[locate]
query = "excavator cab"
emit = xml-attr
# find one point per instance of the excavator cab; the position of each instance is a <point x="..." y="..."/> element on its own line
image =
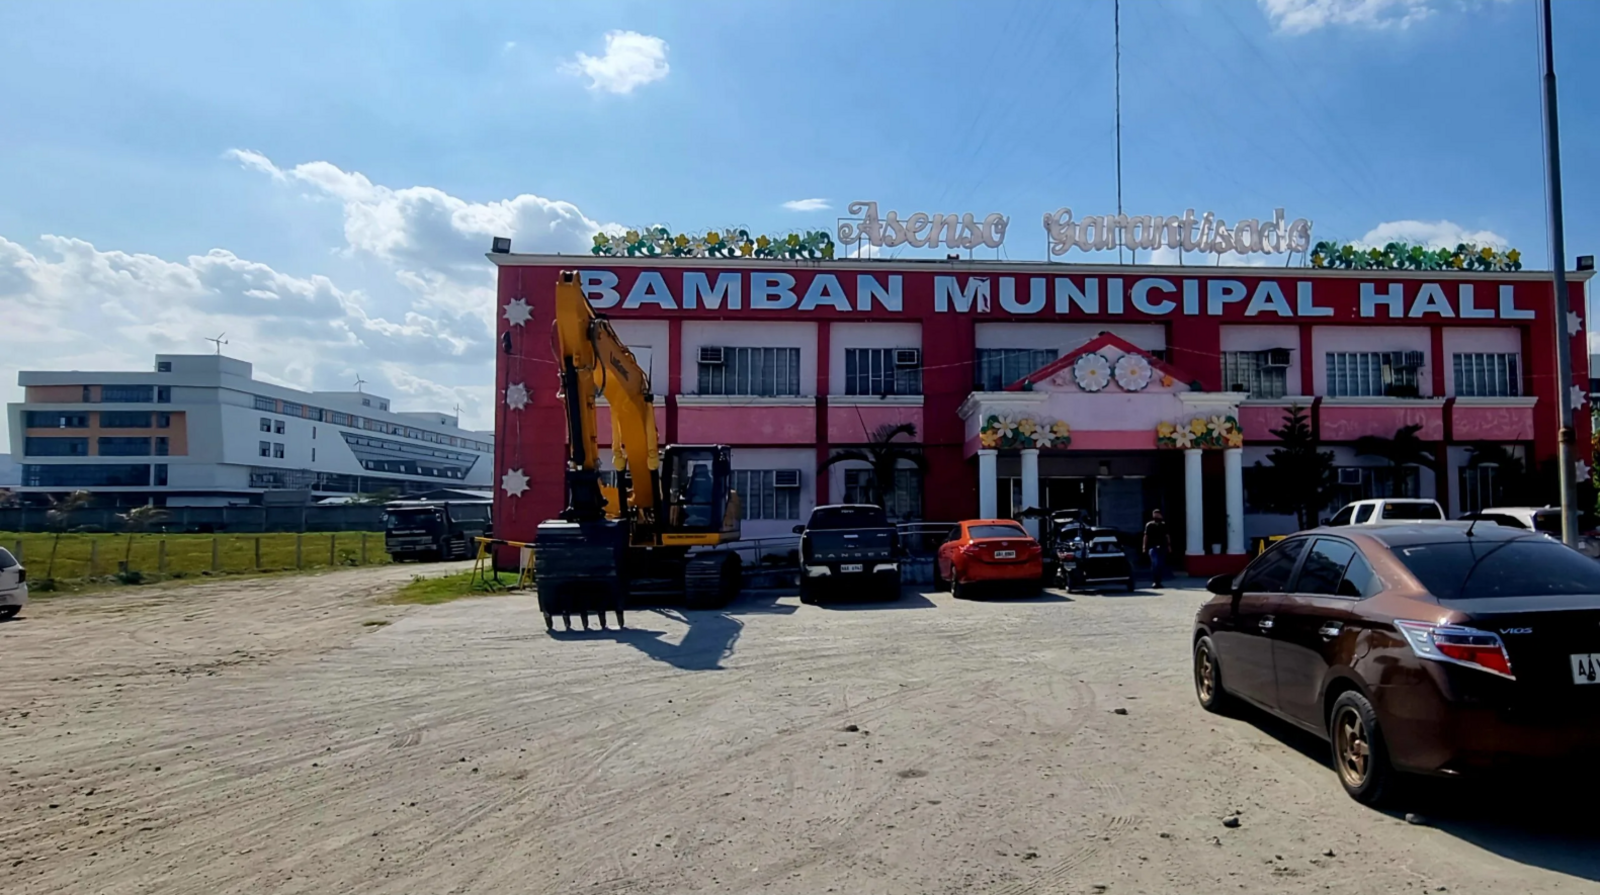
<point x="697" y="483"/>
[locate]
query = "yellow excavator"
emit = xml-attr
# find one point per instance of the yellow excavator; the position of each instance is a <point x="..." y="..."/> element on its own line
<point x="655" y="530"/>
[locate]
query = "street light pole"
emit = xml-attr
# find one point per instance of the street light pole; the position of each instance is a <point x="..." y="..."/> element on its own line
<point x="1558" y="264"/>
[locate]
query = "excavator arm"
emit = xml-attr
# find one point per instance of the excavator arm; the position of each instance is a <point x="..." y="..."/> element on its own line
<point x="594" y="362"/>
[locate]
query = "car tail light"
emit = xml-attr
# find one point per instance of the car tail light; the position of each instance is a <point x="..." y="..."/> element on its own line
<point x="22" y="575"/>
<point x="1458" y="645"/>
<point x="971" y="549"/>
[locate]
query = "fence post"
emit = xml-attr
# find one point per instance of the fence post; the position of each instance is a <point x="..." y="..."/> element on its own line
<point x="94" y="555"/>
<point x="18" y="551"/>
<point x="215" y="552"/>
<point x="299" y="541"/>
<point x="333" y="541"/>
<point x="161" y="557"/>
<point x="363" y="548"/>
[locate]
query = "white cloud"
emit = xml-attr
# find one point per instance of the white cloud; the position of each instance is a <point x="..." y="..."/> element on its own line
<point x="807" y="205"/>
<point x="508" y="46"/>
<point x="1302" y="16"/>
<point x="1432" y="234"/>
<point x="631" y="60"/>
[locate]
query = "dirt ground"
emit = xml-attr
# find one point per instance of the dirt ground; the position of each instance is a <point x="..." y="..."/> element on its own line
<point x="262" y="736"/>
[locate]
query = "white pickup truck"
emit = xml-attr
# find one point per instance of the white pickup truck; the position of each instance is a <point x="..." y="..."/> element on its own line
<point x="1388" y="509"/>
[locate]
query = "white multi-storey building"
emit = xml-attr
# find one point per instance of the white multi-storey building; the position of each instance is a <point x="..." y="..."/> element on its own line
<point x="200" y="430"/>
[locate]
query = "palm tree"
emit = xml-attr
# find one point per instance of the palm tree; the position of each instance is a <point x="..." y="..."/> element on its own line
<point x="883" y="454"/>
<point x="139" y="519"/>
<point x="58" y="517"/>
<point x="1404" y="449"/>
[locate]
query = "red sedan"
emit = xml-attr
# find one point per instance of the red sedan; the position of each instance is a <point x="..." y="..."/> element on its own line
<point x="989" y="551"/>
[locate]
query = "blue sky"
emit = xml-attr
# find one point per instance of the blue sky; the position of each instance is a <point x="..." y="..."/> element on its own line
<point x="320" y="179"/>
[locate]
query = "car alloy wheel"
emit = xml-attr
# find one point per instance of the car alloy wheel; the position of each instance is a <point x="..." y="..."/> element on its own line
<point x="1208" y="677"/>
<point x="1352" y="747"/>
<point x="1359" y="755"/>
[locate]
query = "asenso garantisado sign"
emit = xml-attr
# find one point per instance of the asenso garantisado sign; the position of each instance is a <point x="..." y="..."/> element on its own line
<point x="916" y="294"/>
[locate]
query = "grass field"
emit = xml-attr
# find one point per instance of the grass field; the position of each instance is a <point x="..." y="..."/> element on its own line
<point x="430" y="591"/>
<point x="156" y="556"/>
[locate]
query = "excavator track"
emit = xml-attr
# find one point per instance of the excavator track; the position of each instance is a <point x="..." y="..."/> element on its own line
<point x="712" y="579"/>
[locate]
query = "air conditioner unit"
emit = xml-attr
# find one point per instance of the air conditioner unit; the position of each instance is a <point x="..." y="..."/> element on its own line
<point x="711" y="354"/>
<point x="908" y="357"/>
<point x="786" y="478"/>
<point x="1275" y="358"/>
<point x="1349" y="475"/>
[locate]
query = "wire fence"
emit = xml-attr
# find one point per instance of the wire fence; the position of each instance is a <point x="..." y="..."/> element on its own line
<point x="141" y="557"/>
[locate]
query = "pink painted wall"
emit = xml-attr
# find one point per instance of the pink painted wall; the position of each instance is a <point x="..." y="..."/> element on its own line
<point x="1347" y="423"/>
<point x="854" y="423"/>
<point x="1475" y="422"/>
<point x="603" y="420"/>
<point x="1258" y="420"/>
<point x="782" y="424"/>
<point x="1113" y="440"/>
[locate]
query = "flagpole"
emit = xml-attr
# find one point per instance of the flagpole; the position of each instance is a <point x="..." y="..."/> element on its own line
<point x="1558" y="264"/>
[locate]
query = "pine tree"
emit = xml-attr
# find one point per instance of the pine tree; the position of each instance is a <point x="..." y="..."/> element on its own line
<point x="1300" y="481"/>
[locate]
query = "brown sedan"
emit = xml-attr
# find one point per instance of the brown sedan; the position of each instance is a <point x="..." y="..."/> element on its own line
<point x="1437" y="648"/>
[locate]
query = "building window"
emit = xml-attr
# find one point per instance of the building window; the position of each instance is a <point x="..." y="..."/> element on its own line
<point x="277" y="451"/>
<point x="997" y="368"/>
<point x="760" y="496"/>
<point x="882" y="371"/>
<point x="161" y="447"/>
<point x="1371" y="374"/>
<point x="161" y="475"/>
<point x="266" y="404"/>
<point x="383" y="405"/>
<point x="313" y="433"/>
<point x="1264" y="374"/>
<point x="754" y="372"/>
<point x="124" y="447"/>
<point x="163" y="366"/>
<point x="905" y="502"/>
<point x="87" y="395"/>
<point x="265" y="448"/>
<point x="55" y="419"/>
<point x="163" y="394"/>
<point x="277" y="427"/>
<point x="86" y="475"/>
<point x="366" y="402"/>
<point x="341" y="419"/>
<point x="55" y="447"/>
<point x="124" y="419"/>
<point x="163" y="421"/>
<point x="313" y="455"/>
<point x="126" y="394"/>
<point x="1487" y="376"/>
<point x="293" y="409"/>
<point x="1367" y="482"/>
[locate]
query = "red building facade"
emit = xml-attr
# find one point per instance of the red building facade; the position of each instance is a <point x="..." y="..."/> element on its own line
<point x="1047" y="384"/>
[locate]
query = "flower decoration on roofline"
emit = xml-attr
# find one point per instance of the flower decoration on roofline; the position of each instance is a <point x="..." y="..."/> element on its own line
<point x="660" y="242"/>
<point x="1092" y="372"/>
<point x="1001" y="431"/>
<point x="1404" y="256"/>
<point x="1133" y="372"/>
<point x="1214" y="433"/>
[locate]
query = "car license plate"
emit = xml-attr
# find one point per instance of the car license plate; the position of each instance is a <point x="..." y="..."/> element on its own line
<point x="1586" y="668"/>
<point x="850" y="567"/>
<point x="1005" y="554"/>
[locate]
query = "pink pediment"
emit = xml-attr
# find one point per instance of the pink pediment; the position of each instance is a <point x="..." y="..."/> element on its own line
<point x="1057" y="375"/>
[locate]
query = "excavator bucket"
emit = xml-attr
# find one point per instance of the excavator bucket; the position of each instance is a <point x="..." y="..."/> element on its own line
<point x="578" y="568"/>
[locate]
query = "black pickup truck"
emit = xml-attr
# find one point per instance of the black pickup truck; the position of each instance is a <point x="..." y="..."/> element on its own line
<point x="847" y="547"/>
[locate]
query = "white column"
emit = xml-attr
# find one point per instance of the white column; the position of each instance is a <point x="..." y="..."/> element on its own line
<point x="1233" y="488"/>
<point x="988" y="484"/>
<point x="1194" y="518"/>
<point x="1030" y="486"/>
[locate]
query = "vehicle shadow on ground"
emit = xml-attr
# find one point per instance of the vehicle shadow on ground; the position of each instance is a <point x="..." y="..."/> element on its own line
<point x="852" y="603"/>
<point x="710" y="639"/>
<point x="1000" y="596"/>
<point x="1518" y="819"/>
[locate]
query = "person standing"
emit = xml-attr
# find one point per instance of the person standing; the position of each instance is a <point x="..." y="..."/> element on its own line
<point x="1157" y="544"/>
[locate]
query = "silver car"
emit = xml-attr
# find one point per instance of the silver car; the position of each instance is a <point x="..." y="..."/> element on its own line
<point x="13" y="585"/>
<point x="1542" y="519"/>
